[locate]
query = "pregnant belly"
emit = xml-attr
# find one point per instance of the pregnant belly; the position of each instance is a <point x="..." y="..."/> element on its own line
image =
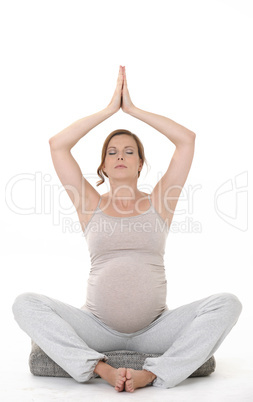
<point x="127" y="299"/>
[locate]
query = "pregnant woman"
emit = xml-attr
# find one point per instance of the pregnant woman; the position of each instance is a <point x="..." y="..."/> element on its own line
<point x="126" y="231"/>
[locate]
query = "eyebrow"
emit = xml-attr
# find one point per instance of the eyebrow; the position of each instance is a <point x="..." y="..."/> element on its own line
<point x="128" y="146"/>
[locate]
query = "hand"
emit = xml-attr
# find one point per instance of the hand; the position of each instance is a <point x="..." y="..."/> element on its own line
<point x="126" y="104"/>
<point x="115" y="103"/>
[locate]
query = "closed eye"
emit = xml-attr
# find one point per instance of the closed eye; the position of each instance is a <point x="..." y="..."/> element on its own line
<point x="113" y="153"/>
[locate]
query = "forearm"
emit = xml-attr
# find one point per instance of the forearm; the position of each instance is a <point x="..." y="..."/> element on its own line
<point x="68" y="137"/>
<point x="173" y="131"/>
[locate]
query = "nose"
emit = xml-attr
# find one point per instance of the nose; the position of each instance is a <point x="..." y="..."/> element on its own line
<point x="120" y="157"/>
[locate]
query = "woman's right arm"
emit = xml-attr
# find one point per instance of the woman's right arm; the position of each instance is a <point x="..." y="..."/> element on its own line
<point x="81" y="192"/>
<point x="67" y="138"/>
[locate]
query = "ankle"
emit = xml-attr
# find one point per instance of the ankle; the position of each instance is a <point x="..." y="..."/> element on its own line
<point x="101" y="367"/>
<point x="151" y="376"/>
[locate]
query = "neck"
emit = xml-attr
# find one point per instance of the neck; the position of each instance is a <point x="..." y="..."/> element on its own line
<point x="124" y="192"/>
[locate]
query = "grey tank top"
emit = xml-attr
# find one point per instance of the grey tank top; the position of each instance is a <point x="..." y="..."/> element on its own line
<point x="127" y="285"/>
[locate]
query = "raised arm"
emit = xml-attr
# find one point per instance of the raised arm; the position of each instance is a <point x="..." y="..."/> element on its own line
<point x="80" y="191"/>
<point x="166" y="193"/>
<point x="67" y="138"/>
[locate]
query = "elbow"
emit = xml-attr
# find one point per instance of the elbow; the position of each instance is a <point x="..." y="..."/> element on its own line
<point x="190" y="137"/>
<point x="193" y="135"/>
<point x="56" y="146"/>
<point x="52" y="143"/>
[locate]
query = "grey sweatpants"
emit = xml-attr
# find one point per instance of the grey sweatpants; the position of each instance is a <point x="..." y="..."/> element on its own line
<point x="76" y="339"/>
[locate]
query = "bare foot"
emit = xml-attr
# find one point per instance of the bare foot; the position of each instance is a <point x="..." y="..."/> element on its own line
<point x="120" y="379"/>
<point x="115" y="377"/>
<point x="137" y="379"/>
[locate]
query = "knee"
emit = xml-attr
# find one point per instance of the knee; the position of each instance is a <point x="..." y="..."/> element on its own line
<point x="22" y="304"/>
<point x="231" y="304"/>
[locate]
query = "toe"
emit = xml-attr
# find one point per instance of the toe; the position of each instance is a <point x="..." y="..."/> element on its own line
<point x="119" y="387"/>
<point x="122" y="372"/>
<point x="128" y="386"/>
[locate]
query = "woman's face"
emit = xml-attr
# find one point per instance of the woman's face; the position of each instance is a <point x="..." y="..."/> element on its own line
<point x="122" y="150"/>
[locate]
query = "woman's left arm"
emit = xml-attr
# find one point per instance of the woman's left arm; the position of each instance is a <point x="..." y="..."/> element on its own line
<point x="166" y="193"/>
<point x="176" y="133"/>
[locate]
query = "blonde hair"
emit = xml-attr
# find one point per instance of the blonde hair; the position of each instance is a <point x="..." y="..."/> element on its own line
<point x="139" y="144"/>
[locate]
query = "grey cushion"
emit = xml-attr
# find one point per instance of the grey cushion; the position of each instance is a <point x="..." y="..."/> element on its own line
<point x="40" y="364"/>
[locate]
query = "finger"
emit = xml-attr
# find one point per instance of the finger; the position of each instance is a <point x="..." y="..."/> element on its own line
<point x="120" y="76"/>
<point x="120" y="85"/>
<point x="125" y="84"/>
<point x="124" y="75"/>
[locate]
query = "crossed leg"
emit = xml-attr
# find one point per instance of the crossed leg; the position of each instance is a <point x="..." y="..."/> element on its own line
<point x="186" y="337"/>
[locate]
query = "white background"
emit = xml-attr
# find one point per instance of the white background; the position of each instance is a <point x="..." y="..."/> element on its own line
<point x="188" y="60"/>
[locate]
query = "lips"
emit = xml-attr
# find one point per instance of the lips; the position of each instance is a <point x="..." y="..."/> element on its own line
<point x="120" y="166"/>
